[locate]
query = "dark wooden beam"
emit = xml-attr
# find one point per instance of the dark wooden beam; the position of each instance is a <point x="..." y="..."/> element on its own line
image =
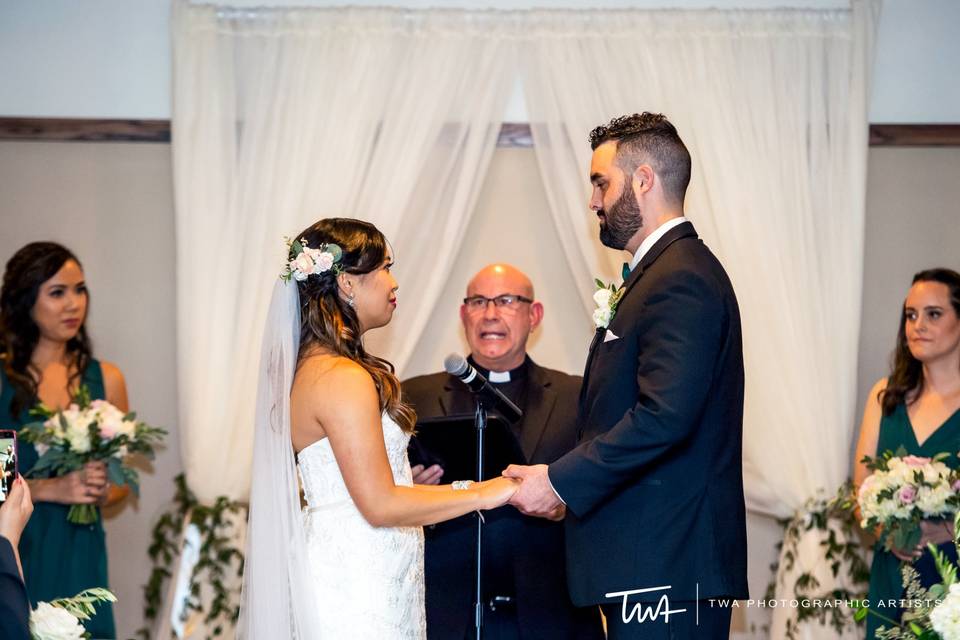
<point x="512" y="134"/>
<point x="84" y="130"/>
<point x="915" y="135"/>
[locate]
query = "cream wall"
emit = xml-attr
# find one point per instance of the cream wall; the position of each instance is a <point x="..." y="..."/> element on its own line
<point x="112" y="204"/>
<point x="913" y="223"/>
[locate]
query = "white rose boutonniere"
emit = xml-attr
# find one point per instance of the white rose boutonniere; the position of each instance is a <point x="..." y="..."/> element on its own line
<point x="607" y="296"/>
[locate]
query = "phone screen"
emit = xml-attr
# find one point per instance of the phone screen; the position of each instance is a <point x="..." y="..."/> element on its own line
<point x="8" y="462"/>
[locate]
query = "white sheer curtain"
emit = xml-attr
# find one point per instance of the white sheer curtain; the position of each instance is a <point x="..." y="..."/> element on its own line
<point x="282" y="117"/>
<point x="285" y="116"/>
<point x="772" y="105"/>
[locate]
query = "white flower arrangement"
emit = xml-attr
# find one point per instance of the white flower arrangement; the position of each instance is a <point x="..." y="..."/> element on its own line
<point x="607" y="296"/>
<point x="61" y="619"/>
<point x="88" y="431"/>
<point x="305" y="261"/>
<point x="945" y="617"/>
<point x="902" y="491"/>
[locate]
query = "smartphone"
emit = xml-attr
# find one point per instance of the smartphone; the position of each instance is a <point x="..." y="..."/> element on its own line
<point x="8" y="461"/>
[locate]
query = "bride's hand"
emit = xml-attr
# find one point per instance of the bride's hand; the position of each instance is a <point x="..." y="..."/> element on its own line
<point x="496" y="492"/>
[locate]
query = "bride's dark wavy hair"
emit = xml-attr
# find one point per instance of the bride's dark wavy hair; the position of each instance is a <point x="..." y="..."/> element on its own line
<point x="29" y="268"/>
<point x="906" y="379"/>
<point x="328" y="321"/>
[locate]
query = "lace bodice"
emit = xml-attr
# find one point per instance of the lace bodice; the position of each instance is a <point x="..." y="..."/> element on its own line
<point x="368" y="580"/>
<point x="320" y="475"/>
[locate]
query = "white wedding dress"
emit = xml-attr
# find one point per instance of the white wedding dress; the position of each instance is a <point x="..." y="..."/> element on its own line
<point x="367" y="581"/>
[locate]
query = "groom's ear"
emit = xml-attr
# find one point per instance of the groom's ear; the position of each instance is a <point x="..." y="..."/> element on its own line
<point x="642" y="180"/>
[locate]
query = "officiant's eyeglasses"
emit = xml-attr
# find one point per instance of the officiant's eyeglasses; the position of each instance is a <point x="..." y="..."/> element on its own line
<point x="506" y="302"/>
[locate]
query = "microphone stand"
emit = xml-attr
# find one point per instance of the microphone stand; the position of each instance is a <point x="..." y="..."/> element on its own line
<point x="480" y="420"/>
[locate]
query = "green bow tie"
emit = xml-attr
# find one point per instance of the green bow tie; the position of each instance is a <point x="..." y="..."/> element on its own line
<point x="626" y="271"/>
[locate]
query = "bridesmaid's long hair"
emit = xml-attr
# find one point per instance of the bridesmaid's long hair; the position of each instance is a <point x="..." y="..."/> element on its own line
<point x="327" y="321"/>
<point x="907" y="376"/>
<point x="29" y="268"/>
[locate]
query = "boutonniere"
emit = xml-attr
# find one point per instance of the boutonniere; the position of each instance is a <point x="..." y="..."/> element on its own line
<point x="607" y="296"/>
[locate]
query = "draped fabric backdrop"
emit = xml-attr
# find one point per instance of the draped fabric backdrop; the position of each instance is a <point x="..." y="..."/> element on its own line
<point x="284" y="116"/>
<point x="773" y="107"/>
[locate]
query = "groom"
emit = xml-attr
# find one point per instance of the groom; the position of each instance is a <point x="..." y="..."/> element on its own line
<point x="653" y="494"/>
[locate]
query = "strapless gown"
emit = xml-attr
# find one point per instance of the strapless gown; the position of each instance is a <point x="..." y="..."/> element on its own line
<point x="368" y="580"/>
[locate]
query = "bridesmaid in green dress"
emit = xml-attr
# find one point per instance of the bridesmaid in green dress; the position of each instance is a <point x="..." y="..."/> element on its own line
<point x="918" y="408"/>
<point x="45" y="357"/>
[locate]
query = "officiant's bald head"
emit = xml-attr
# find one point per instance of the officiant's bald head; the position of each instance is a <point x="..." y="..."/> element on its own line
<point x="498" y="314"/>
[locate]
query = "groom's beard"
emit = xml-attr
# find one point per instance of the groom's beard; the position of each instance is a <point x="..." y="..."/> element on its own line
<point x="621" y="221"/>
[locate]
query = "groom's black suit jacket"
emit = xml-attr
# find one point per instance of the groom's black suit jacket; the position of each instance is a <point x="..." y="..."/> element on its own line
<point x="654" y="491"/>
<point x="544" y="610"/>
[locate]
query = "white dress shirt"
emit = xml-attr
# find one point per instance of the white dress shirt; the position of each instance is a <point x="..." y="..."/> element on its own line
<point x="651" y="239"/>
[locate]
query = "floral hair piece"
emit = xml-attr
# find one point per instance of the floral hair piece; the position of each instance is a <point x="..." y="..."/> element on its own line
<point x="306" y="261"/>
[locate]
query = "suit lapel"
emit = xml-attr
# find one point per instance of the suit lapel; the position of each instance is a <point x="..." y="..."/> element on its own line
<point x="597" y="339"/>
<point x="683" y="230"/>
<point x="540" y="400"/>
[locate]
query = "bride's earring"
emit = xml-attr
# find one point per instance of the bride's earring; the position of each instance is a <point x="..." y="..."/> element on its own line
<point x="350" y="300"/>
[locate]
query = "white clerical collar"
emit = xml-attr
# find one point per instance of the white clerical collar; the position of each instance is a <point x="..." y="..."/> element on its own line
<point x="651" y="239"/>
<point x="499" y="376"/>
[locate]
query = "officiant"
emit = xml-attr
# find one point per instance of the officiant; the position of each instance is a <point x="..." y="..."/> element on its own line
<point x="524" y="578"/>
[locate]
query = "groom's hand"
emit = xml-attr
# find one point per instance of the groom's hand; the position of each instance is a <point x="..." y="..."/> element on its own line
<point x="536" y="496"/>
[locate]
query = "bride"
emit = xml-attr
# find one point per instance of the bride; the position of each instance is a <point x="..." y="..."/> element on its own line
<point x="350" y="563"/>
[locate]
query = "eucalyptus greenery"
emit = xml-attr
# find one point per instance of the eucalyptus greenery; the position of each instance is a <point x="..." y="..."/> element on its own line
<point x="81" y="606"/>
<point x="217" y="559"/>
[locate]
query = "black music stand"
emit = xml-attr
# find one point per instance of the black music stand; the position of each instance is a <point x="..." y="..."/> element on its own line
<point x="468" y="447"/>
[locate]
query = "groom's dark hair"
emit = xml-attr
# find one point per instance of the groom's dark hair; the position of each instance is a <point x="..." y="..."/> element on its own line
<point x="649" y="138"/>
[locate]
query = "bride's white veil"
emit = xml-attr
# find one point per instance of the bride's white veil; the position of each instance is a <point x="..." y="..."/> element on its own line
<point x="277" y="599"/>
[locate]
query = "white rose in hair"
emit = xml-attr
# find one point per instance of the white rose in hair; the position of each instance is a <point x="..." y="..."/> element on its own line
<point x="48" y="622"/>
<point x="304" y="263"/>
<point x="324" y="262"/>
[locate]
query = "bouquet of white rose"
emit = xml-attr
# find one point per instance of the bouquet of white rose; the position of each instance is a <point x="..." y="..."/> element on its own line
<point x="902" y="491"/>
<point x="60" y="619"/>
<point x="88" y="431"/>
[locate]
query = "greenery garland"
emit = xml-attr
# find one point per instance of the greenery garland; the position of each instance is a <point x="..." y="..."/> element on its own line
<point x="849" y="558"/>
<point x="217" y="558"/>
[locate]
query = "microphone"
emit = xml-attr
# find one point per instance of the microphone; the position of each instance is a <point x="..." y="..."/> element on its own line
<point x="456" y="365"/>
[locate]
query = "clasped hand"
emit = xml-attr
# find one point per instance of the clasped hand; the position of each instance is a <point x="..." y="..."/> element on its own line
<point x="535" y="496"/>
<point x="86" y="486"/>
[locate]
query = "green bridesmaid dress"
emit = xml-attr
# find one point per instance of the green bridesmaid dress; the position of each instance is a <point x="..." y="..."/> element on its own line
<point x="60" y="559"/>
<point x="886" y="583"/>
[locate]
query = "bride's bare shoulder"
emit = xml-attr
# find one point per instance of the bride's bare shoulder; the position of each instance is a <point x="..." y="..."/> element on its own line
<point x="333" y="371"/>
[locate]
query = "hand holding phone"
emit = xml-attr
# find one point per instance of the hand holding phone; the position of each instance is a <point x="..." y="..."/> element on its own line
<point x="15" y="511"/>
<point x="8" y="462"/>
